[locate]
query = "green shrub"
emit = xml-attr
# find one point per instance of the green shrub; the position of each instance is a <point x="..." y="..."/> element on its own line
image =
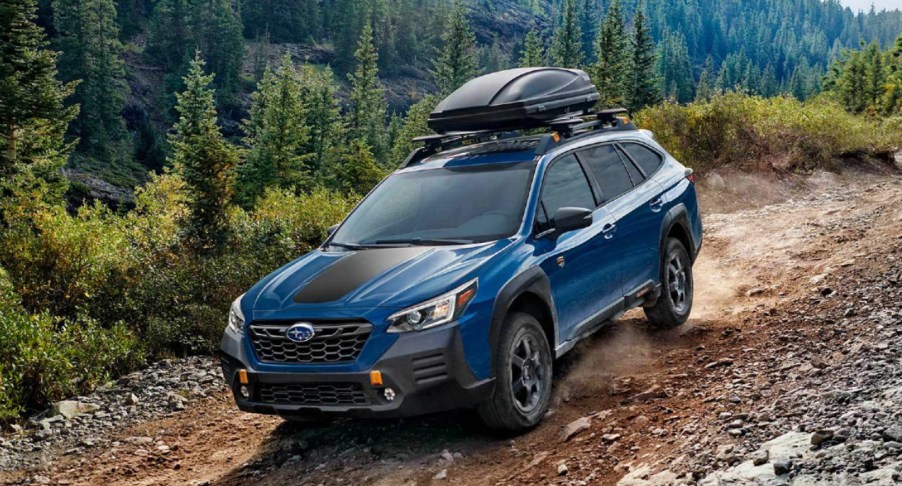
<point x="779" y="133"/>
<point x="60" y="262"/>
<point x="43" y="359"/>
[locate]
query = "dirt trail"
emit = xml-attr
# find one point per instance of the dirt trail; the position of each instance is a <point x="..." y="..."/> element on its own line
<point x="756" y="260"/>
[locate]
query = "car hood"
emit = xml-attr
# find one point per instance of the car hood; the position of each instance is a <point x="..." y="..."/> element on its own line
<point x="364" y="279"/>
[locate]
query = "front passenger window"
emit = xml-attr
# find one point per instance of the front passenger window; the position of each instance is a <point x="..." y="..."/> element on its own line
<point x="565" y="186"/>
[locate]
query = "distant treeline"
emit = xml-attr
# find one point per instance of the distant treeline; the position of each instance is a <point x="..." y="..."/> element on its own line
<point x="690" y="49"/>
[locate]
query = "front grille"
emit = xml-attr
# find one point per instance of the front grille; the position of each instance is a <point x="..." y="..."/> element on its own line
<point x="332" y="342"/>
<point x="318" y="394"/>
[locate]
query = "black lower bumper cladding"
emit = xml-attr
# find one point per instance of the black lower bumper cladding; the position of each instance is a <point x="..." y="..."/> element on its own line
<point x="426" y="372"/>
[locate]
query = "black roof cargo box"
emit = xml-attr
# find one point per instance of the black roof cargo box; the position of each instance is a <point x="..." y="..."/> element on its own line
<point x="514" y="99"/>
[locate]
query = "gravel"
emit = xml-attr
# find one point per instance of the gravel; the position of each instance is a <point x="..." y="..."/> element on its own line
<point x="77" y="425"/>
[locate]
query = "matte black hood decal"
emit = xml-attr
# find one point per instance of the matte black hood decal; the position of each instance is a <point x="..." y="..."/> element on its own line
<point x="353" y="271"/>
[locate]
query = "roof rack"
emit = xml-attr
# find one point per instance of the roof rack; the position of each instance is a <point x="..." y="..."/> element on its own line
<point x="568" y="129"/>
<point x="563" y="129"/>
<point x="433" y="144"/>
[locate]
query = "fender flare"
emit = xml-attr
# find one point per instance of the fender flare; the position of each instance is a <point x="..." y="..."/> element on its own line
<point x="533" y="280"/>
<point x="677" y="216"/>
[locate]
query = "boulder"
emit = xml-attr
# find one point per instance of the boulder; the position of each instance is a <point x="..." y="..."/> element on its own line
<point x="70" y="408"/>
<point x="575" y="427"/>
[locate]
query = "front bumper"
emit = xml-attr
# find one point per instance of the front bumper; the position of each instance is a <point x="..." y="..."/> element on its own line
<point x="426" y="371"/>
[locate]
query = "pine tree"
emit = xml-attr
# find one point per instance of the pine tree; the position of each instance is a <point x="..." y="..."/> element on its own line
<point x="169" y="34"/>
<point x="367" y="107"/>
<point x="355" y="171"/>
<point x="566" y="46"/>
<point x="395" y="124"/>
<point x="213" y="26"/>
<point x="205" y="160"/>
<point x="642" y="87"/>
<point x="674" y="68"/>
<point x="457" y="62"/>
<point x="216" y="31"/>
<point x="277" y="135"/>
<point x="33" y="121"/>
<point x="851" y="83"/>
<point x="769" y="85"/>
<point x="706" y="89"/>
<point x="611" y="71"/>
<point x="494" y="57"/>
<point x="88" y="38"/>
<point x="533" y="52"/>
<point x="892" y="98"/>
<point x="323" y="115"/>
<point x="415" y="125"/>
<point x="345" y="28"/>
<point x="874" y="76"/>
<point x="588" y="23"/>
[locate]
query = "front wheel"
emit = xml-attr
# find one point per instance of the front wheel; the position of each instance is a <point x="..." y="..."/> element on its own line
<point x="675" y="302"/>
<point x="523" y="373"/>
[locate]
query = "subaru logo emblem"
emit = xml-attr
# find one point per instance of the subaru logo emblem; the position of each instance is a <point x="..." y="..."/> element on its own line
<point x="300" y="332"/>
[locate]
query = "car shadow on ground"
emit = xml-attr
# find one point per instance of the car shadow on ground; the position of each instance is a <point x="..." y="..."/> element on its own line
<point x="582" y="382"/>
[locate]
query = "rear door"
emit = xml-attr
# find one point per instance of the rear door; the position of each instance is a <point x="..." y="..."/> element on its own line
<point x="651" y="210"/>
<point x="633" y="202"/>
<point x="583" y="277"/>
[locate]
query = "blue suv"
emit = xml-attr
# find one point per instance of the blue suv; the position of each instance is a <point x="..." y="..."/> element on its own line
<point x="462" y="276"/>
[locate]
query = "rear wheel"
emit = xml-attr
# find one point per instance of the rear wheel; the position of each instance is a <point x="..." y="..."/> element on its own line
<point x="522" y="376"/>
<point x="675" y="302"/>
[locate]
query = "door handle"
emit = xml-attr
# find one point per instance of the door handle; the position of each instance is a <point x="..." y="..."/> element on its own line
<point x="656" y="204"/>
<point x="608" y="230"/>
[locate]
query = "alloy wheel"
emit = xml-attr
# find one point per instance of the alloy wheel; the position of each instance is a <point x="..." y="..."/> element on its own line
<point x="678" y="283"/>
<point x="528" y="375"/>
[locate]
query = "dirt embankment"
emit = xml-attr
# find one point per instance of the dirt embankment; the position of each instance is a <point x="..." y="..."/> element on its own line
<point x="796" y="332"/>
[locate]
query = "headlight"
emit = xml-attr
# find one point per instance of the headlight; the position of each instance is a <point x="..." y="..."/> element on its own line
<point x="435" y="312"/>
<point x="236" y="317"/>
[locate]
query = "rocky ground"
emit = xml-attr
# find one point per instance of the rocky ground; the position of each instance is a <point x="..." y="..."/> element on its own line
<point x="789" y="372"/>
<point x="80" y="425"/>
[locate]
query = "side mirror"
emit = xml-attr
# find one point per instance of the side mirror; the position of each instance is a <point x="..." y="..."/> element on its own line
<point x="331" y="229"/>
<point x="569" y="219"/>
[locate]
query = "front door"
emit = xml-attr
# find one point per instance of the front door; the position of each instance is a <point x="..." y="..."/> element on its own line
<point x="584" y="275"/>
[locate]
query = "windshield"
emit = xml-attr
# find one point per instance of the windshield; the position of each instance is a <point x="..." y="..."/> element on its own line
<point x="441" y="206"/>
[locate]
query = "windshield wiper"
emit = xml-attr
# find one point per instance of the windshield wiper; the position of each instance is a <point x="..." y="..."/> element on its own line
<point x="424" y="241"/>
<point x="349" y="246"/>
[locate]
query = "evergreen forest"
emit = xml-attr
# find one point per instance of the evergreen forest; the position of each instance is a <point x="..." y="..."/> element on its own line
<point x="158" y="157"/>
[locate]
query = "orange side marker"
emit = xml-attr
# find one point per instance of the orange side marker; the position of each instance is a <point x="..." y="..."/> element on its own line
<point x="376" y="378"/>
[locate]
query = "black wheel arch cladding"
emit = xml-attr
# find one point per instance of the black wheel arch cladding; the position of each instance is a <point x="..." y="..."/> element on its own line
<point x="677" y="219"/>
<point x="532" y="281"/>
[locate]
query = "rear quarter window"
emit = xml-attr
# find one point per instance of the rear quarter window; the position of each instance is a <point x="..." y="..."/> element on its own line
<point x="609" y="169"/>
<point x="647" y="159"/>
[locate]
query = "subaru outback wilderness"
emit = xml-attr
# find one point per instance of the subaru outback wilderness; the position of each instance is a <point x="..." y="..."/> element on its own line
<point x="464" y="274"/>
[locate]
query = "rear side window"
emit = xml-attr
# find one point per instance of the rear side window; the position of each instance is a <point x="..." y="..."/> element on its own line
<point x="607" y="166"/>
<point x="646" y="158"/>
<point x="565" y="186"/>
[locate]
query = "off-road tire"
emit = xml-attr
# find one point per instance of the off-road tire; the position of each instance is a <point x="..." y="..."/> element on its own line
<point x="675" y="302"/>
<point x="505" y="410"/>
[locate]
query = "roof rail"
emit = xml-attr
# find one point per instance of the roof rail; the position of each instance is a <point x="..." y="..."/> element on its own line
<point x="433" y="144"/>
<point x="563" y="129"/>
